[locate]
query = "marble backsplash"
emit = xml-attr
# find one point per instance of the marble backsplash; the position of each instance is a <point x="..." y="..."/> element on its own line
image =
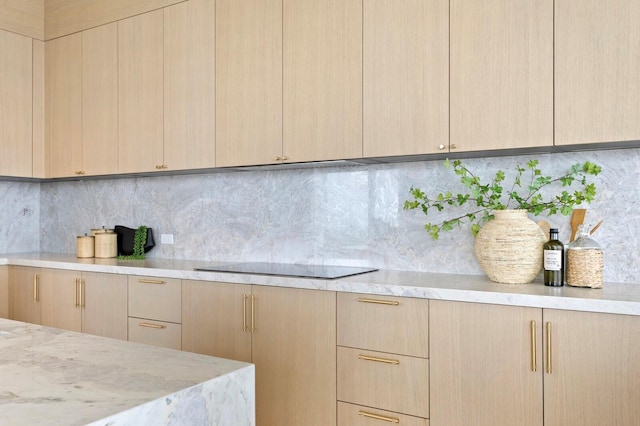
<point x="350" y="215"/>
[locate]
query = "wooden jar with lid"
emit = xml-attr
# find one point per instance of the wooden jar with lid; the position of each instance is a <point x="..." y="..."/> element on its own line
<point x="85" y="246"/>
<point x="106" y="243"/>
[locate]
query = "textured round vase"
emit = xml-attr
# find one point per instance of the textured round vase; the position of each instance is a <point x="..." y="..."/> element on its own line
<point x="509" y="247"/>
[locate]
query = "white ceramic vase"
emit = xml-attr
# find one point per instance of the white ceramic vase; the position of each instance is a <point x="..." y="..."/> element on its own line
<point x="509" y="247"/>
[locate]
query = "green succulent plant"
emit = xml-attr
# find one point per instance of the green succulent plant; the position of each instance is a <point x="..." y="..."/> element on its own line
<point x="139" y="240"/>
<point x="525" y="192"/>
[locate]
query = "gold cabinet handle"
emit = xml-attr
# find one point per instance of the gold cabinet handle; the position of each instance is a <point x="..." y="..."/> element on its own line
<point x="285" y="158"/>
<point x="253" y="313"/>
<point x="549" y="348"/>
<point x="454" y="146"/>
<point x="36" y="295"/>
<point x="534" y="361"/>
<point x="81" y="298"/>
<point x="80" y="172"/>
<point x="373" y="358"/>
<point x="161" y="166"/>
<point x="149" y="325"/>
<point x="277" y="158"/>
<point x="378" y="417"/>
<point x="143" y="281"/>
<point x="77" y="304"/>
<point x="244" y="312"/>
<point x="378" y="302"/>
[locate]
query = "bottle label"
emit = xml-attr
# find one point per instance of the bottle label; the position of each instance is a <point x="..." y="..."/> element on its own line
<point x="553" y="260"/>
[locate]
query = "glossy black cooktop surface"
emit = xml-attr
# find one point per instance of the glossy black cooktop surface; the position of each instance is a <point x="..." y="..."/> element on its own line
<point x="289" y="269"/>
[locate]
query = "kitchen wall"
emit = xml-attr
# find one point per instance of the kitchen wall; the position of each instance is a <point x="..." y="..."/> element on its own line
<point x="19" y="217"/>
<point x="340" y="215"/>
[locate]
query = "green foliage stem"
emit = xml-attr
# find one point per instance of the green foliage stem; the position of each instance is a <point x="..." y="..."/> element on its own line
<point x="525" y="193"/>
<point x="139" y="239"/>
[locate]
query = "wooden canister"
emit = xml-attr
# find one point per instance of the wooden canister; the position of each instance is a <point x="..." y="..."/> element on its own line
<point x="106" y="243"/>
<point x="84" y="246"/>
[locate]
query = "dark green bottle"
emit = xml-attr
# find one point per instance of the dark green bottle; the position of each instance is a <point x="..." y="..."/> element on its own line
<point x="553" y="260"/>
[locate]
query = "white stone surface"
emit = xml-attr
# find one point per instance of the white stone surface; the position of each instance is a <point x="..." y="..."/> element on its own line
<point x="617" y="298"/>
<point x="55" y="377"/>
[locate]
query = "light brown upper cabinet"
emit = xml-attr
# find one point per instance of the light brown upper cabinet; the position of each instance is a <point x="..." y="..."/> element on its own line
<point x="322" y="80"/>
<point x="189" y="85"/>
<point x="63" y="113"/>
<point x="140" y="97"/>
<point x="406" y="77"/>
<point x="16" y="72"/>
<point x="501" y="74"/>
<point x="81" y="114"/>
<point x="248" y="82"/>
<point x="597" y="69"/>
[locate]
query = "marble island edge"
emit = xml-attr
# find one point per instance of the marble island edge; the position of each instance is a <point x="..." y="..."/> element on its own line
<point x="616" y="298"/>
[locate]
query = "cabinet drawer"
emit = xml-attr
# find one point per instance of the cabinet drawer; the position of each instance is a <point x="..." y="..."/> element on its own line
<point x="155" y="298"/>
<point x="156" y="333"/>
<point x="356" y="415"/>
<point x="386" y="381"/>
<point x="398" y="325"/>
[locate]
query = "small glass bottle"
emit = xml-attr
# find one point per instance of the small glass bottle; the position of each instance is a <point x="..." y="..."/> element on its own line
<point x="585" y="261"/>
<point x="553" y="260"/>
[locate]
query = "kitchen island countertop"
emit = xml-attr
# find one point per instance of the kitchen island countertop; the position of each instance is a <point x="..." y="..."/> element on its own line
<point x="56" y="377"/>
<point x="616" y="298"/>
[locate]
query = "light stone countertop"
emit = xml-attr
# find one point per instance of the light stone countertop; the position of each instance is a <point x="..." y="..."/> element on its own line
<point x="617" y="298"/>
<point x="56" y="377"/>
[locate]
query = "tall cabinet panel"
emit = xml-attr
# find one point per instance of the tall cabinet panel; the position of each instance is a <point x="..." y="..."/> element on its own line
<point x="63" y="114"/>
<point x="16" y="104"/>
<point x="248" y="82"/>
<point x="100" y="100"/>
<point x="597" y="89"/>
<point x="406" y="77"/>
<point x="322" y="79"/>
<point x="501" y="74"/>
<point x="189" y="85"/>
<point x="140" y="98"/>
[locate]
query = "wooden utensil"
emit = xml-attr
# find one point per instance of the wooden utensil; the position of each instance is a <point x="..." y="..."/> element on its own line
<point x="545" y="226"/>
<point x="577" y="218"/>
<point x="595" y="227"/>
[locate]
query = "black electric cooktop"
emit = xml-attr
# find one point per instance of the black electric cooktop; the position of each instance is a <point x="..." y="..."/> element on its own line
<point x="289" y="269"/>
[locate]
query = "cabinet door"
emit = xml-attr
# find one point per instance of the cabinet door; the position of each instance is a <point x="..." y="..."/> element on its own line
<point x="104" y="301"/>
<point x="294" y="350"/>
<point x="595" y="373"/>
<point x="248" y="82"/>
<point x="140" y="99"/>
<point x="4" y="292"/>
<point x="597" y="91"/>
<point x="63" y="86"/>
<point x="212" y="319"/>
<point x="24" y="295"/>
<point x="100" y="100"/>
<point x="189" y="85"/>
<point x="486" y="368"/>
<point x="16" y="68"/>
<point x="501" y="74"/>
<point x="406" y="77"/>
<point x="322" y="79"/>
<point x="60" y="299"/>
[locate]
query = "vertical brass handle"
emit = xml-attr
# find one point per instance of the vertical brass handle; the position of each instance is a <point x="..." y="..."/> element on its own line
<point x="36" y="296"/>
<point x="534" y="361"/>
<point x="549" y="348"/>
<point x="253" y="313"/>
<point x="81" y="298"/>
<point x="378" y="417"/>
<point x="77" y="303"/>
<point x="244" y="312"/>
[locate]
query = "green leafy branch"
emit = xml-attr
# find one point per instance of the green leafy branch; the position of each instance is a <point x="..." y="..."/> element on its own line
<point x="525" y="193"/>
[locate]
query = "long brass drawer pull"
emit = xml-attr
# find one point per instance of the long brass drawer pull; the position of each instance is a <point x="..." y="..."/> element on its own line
<point x="77" y="304"/>
<point x="378" y="417"/>
<point x="373" y="358"/>
<point x="378" y="302"/>
<point x="148" y="325"/>
<point x="244" y="312"/>
<point x="253" y="313"/>
<point x="151" y="281"/>
<point x="549" y="348"/>
<point x="36" y="296"/>
<point x="534" y="361"/>
<point x="81" y="298"/>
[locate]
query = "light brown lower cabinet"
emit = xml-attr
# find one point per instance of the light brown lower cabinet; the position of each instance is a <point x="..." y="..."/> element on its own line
<point x="4" y="292"/>
<point x="357" y="415"/>
<point x="24" y="297"/>
<point x="495" y="365"/>
<point x="290" y="335"/>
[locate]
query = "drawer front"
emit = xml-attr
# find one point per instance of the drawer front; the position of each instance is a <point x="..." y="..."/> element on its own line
<point x="397" y="325"/>
<point x="156" y="333"/>
<point x="155" y="298"/>
<point x="356" y="415"/>
<point x="386" y="381"/>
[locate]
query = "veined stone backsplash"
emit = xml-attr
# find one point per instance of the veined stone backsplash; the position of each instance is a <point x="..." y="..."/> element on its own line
<point x="348" y="215"/>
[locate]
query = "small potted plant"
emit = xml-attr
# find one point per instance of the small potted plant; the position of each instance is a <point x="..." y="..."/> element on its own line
<point x="516" y="256"/>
